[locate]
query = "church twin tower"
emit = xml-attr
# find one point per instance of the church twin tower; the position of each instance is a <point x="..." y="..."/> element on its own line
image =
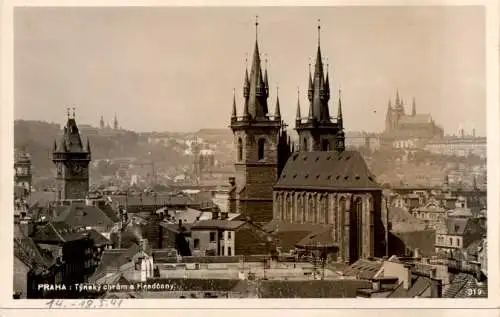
<point x="261" y="141"/>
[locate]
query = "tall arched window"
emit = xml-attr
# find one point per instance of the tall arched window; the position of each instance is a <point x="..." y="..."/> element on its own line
<point x="326" y="145"/>
<point x="261" y="145"/>
<point x="240" y="150"/>
<point x="305" y="144"/>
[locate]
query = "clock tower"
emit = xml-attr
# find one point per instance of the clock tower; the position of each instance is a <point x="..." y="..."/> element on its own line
<point x="72" y="164"/>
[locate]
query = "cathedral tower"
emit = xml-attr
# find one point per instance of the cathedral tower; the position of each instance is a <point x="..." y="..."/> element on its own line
<point x="72" y="163"/>
<point x="317" y="131"/>
<point x="259" y="140"/>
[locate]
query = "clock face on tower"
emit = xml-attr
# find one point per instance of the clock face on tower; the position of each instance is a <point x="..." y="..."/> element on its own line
<point x="76" y="170"/>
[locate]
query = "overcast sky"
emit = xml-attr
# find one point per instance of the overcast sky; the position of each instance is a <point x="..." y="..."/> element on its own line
<point x="175" y="69"/>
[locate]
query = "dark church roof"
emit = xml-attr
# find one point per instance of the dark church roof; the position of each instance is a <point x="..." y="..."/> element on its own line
<point x="346" y="170"/>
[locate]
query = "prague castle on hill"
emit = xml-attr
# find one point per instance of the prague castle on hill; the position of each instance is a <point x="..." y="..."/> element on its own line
<point x="403" y="127"/>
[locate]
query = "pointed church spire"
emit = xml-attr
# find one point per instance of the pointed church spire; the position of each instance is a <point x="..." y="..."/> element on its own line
<point x="277" y="112"/>
<point x="257" y="97"/>
<point x="233" y="114"/>
<point x="413" y="107"/>
<point x="398" y="101"/>
<point x="266" y="81"/>
<point x="327" y="83"/>
<point x="310" y="90"/>
<point x="298" y="116"/>
<point x="55" y="146"/>
<point x="339" y="113"/>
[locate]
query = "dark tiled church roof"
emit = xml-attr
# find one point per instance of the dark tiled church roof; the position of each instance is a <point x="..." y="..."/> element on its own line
<point x="329" y="170"/>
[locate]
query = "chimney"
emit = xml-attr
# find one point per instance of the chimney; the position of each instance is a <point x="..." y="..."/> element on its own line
<point x="143" y="244"/>
<point x="432" y="273"/>
<point x="376" y="285"/>
<point x="27" y="227"/>
<point x="407" y="277"/>
<point x="416" y="253"/>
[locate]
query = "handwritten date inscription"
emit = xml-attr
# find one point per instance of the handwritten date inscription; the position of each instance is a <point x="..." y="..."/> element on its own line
<point x="84" y="303"/>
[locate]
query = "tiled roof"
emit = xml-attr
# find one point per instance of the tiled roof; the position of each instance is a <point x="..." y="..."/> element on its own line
<point x="99" y="239"/>
<point x="288" y="235"/>
<point x="109" y="212"/>
<point x="83" y="215"/>
<point x="114" y="259"/>
<point x="462" y="284"/>
<point x="422" y="239"/>
<point x="311" y="289"/>
<point x="26" y="250"/>
<point x="217" y="224"/>
<point x="418" y="286"/>
<point x="321" y="239"/>
<point x="329" y="170"/>
<point x="363" y="269"/>
<point x="188" y="215"/>
<point x="58" y="232"/>
<point x="455" y="226"/>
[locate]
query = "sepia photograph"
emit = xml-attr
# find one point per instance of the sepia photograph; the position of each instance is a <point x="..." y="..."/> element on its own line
<point x="250" y="152"/>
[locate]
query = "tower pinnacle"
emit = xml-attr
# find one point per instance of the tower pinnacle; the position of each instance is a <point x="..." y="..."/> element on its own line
<point x="298" y="115"/>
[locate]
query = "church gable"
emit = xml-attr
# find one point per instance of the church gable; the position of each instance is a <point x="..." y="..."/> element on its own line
<point x="327" y="170"/>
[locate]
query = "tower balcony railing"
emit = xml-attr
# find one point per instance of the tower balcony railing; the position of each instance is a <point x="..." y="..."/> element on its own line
<point x="307" y="121"/>
<point x="75" y="156"/>
<point x="251" y="120"/>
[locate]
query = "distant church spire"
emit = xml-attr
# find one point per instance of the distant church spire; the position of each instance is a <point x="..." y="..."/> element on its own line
<point x="233" y="114"/>
<point x="413" y="107"/>
<point x="277" y="112"/>
<point x="339" y="114"/>
<point x="115" y="123"/>
<point x="298" y="115"/>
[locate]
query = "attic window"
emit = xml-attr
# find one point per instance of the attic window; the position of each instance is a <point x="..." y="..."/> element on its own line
<point x="305" y="158"/>
<point x="370" y="178"/>
<point x="317" y="158"/>
<point x="328" y="157"/>
<point x="295" y="176"/>
<point x="329" y="176"/>
<point x="346" y="177"/>
<point x="317" y="176"/>
<point x="357" y="177"/>
<point x="307" y="175"/>
<point x="337" y="178"/>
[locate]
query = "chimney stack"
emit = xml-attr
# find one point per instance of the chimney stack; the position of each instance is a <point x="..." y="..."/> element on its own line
<point x="407" y="277"/>
<point x="416" y="253"/>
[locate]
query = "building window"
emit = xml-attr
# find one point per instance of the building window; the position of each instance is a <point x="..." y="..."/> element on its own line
<point x="212" y="236"/>
<point x="229" y="251"/>
<point x="458" y="242"/>
<point x="261" y="147"/>
<point x="451" y="242"/>
<point x="240" y="150"/>
<point x="196" y="243"/>
<point x="229" y="235"/>
<point x="305" y="144"/>
<point x="326" y="145"/>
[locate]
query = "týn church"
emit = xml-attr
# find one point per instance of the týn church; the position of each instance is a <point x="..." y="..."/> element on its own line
<point x="319" y="190"/>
